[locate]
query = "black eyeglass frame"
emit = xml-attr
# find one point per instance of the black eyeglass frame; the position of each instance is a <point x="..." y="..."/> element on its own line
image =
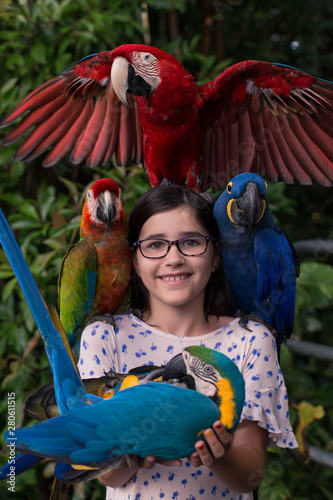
<point x="137" y="244"/>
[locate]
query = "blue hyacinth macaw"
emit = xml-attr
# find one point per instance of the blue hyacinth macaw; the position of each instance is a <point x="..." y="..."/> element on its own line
<point x="100" y="434"/>
<point x="259" y="261"/>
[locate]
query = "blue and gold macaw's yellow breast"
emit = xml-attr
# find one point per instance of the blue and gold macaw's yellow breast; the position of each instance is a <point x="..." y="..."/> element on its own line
<point x="214" y="371"/>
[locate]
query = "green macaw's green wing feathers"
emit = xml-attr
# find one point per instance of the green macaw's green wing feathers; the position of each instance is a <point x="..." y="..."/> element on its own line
<point x="77" y="283"/>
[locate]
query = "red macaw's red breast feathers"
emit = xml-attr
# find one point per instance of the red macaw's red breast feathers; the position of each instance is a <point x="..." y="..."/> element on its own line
<point x="140" y="103"/>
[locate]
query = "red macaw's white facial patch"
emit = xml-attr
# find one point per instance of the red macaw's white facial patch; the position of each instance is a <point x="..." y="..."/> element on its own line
<point x="146" y="65"/>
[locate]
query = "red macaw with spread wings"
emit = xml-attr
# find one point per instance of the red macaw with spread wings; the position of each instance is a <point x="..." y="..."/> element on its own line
<point x="140" y="103"/>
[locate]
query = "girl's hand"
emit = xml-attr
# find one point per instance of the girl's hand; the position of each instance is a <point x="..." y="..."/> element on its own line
<point x="219" y="443"/>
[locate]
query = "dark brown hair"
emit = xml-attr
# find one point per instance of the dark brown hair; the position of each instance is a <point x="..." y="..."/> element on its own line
<point x="168" y="197"/>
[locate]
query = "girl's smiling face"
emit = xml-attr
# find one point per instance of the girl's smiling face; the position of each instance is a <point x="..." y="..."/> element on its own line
<point x="175" y="280"/>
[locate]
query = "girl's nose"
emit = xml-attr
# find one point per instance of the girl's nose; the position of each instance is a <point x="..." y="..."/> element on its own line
<point x="174" y="256"/>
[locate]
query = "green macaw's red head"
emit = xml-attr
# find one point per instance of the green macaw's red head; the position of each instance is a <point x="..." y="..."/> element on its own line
<point x="217" y="377"/>
<point x="103" y="206"/>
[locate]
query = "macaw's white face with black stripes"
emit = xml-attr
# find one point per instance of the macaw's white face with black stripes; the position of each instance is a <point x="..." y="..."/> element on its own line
<point x="205" y="375"/>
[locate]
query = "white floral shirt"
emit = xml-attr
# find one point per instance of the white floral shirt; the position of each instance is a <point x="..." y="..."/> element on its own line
<point x="133" y="343"/>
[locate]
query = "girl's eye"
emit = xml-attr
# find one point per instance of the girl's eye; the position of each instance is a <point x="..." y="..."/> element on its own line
<point x="156" y="245"/>
<point x="190" y="243"/>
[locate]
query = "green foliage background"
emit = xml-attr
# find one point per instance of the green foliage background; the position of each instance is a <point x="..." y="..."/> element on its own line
<point x="40" y="38"/>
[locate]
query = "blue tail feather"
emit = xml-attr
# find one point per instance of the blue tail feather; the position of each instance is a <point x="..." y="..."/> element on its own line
<point x="66" y="379"/>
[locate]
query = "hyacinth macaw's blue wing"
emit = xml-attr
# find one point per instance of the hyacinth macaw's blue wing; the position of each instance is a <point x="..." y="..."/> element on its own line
<point x="275" y="278"/>
<point x="259" y="261"/>
<point x="135" y="421"/>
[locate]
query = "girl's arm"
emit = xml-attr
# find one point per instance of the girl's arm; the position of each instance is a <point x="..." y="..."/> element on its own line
<point x="237" y="460"/>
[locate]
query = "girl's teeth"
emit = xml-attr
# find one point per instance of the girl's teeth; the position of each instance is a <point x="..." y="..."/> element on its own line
<point x="175" y="278"/>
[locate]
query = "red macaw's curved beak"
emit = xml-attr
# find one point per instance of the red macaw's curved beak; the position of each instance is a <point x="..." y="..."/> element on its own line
<point x="248" y="209"/>
<point x="107" y="207"/>
<point x="125" y="79"/>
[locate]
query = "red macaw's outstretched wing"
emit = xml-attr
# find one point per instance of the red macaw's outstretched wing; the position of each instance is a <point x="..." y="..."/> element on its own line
<point x="78" y="112"/>
<point x="269" y="119"/>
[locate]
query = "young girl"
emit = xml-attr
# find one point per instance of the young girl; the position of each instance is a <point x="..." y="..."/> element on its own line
<point x="180" y="296"/>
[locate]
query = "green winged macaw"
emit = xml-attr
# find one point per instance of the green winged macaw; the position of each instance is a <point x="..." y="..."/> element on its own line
<point x="97" y="433"/>
<point x="259" y="261"/>
<point x="140" y="103"/>
<point x="95" y="272"/>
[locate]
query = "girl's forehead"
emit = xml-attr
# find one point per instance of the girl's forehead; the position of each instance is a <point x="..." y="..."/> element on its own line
<point x="172" y="222"/>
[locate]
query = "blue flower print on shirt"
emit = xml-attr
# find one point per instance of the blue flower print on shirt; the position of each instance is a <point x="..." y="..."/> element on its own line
<point x="105" y="335"/>
<point x="196" y="474"/>
<point x="140" y="353"/>
<point x="93" y="331"/>
<point x="96" y="359"/>
<point x="232" y="347"/>
<point x="145" y="333"/>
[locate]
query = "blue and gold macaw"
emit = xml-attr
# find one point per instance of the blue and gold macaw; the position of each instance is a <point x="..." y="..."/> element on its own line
<point x="259" y="261"/>
<point x="95" y="433"/>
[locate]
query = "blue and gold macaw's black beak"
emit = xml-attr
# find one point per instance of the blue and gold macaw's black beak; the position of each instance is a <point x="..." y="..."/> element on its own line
<point x="175" y="372"/>
<point x="247" y="209"/>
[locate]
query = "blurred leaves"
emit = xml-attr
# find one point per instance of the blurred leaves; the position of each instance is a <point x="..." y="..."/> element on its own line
<point x="307" y="413"/>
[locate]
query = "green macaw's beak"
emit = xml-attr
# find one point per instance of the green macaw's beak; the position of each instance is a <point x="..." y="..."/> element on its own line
<point x="106" y="211"/>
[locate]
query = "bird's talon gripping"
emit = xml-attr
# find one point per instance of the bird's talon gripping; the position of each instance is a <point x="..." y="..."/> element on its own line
<point x="104" y="318"/>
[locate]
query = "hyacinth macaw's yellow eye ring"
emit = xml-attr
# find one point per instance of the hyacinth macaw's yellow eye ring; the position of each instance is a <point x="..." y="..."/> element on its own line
<point x="229" y="210"/>
<point x="229" y="187"/>
<point x="265" y="184"/>
<point x="231" y="218"/>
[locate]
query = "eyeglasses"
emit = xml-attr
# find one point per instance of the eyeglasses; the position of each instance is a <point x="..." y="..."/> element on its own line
<point x="157" y="248"/>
